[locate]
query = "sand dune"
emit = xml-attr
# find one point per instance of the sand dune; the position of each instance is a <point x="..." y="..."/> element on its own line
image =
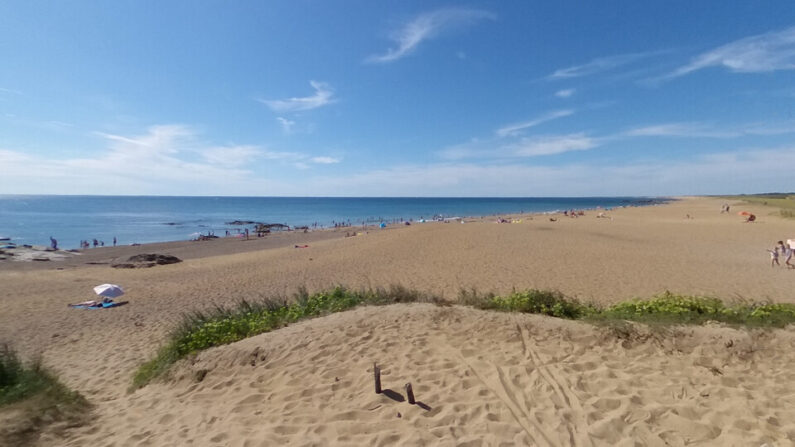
<point x="489" y="379"/>
<point x="480" y="378"/>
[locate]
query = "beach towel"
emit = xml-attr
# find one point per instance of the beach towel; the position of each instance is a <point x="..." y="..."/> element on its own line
<point x="97" y="304"/>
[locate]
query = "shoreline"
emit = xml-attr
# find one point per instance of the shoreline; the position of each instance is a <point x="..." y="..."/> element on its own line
<point x="38" y="256"/>
<point x="202" y="224"/>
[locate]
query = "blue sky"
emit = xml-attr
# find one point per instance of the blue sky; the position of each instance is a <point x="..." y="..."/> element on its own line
<point x="410" y="98"/>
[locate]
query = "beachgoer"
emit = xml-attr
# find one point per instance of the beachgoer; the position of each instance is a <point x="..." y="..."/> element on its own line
<point x="751" y="218"/>
<point x="114" y="241"/>
<point x="774" y="256"/>
<point x="789" y="252"/>
<point x="53" y="243"/>
<point x="96" y="242"/>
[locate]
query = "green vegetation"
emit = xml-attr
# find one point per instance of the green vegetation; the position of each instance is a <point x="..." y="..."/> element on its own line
<point x="678" y="309"/>
<point x="544" y="302"/>
<point x="785" y="202"/>
<point x="39" y="398"/>
<point x="18" y="382"/>
<point x="220" y="326"/>
<point x="202" y="330"/>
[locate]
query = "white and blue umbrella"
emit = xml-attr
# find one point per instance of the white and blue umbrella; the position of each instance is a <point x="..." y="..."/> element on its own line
<point x="109" y="290"/>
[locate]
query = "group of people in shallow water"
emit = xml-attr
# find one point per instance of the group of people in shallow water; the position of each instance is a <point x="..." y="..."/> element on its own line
<point x="786" y="251"/>
<point x="96" y="243"/>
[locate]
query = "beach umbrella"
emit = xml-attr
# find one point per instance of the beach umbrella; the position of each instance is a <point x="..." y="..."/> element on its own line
<point x="109" y="290"/>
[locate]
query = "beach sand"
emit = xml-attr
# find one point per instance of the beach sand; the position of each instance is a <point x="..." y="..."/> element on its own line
<point x="486" y="378"/>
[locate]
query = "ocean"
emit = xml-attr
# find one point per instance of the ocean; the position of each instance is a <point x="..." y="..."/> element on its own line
<point x="28" y="219"/>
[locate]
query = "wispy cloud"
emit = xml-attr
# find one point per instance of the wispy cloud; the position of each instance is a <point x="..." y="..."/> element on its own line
<point x="427" y="26"/>
<point x="553" y="144"/>
<point x="766" y="169"/>
<point x="756" y="54"/>
<point x="703" y="130"/>
<point x="170" y="159"/>
<point x="515" y="129"/>
<point x="324" y="160"/>
<point x="323" y="96"/>
<point x="9" y="91"/>
<point x="598" y="65"/>
<point x="565" y="93"/>
<point x="287" y="125"/>
<point x="679" y="130"/>
<point x="231" y="156"/>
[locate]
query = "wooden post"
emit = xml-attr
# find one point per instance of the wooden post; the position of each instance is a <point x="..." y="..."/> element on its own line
<point x="377" y="374"/>
<point x="410" y="393"/>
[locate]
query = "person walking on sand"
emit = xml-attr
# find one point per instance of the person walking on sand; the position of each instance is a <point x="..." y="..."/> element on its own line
<point x="788" y="252"/>
<point x="53" y="243"/>
<point x="774" y="257"/>
<point x="114" y="241"/>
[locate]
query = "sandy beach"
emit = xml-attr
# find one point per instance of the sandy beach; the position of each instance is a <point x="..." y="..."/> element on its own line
<point x="484" y="378"/>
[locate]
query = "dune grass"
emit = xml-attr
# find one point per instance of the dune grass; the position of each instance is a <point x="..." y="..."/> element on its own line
<point x="666" y="308"/>
<point x="222" y="325"/>
<point x="38" y="397"/>
<point x="18" y="381"/>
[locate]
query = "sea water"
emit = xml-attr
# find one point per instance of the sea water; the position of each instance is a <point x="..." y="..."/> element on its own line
<point x="28" y="219"/>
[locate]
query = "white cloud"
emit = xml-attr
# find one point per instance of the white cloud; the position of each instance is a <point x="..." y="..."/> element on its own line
<point x="702" y="130"/>
<point x="169" y="159"/>
<point x="756" y="54"/>
<point x="323" y="96"/>
<point x="514" y="129"/>
<point x="287" y="125"/>
<point x="553" y="144"/>
<point x="282" y="156"/>
<point x="10" y="91"/>
<point x="735" y="172"/>
<point x="471" y="149"/>
<point x="324" y="160"/>
<point x="565" y="93"/>
<point x="680" y="130"/>
<point x="598" y="65"/>
<point x="427" y="26"/>
<point x="231" y="156"/>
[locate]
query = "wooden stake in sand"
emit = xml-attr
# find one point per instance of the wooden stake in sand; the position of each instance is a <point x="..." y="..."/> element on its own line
<point x="410" y="393"/>
<point x="377" y="374"/>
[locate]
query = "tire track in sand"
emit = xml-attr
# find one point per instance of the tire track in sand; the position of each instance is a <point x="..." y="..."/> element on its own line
<point x="550" y="373"/>
<point x="520" y="414"/>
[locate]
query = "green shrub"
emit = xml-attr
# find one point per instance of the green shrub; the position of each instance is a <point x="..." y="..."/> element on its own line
<point x="684" y="309"/>
<point x="543" y="302"/>
<point x="222" y="325"/>
<point x="18" y="381"/>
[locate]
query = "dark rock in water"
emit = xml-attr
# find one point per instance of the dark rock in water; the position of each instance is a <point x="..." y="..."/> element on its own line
<point x="243" y="222"/>
<point x="261" y="227"/>
<point x="147" y="260"/>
